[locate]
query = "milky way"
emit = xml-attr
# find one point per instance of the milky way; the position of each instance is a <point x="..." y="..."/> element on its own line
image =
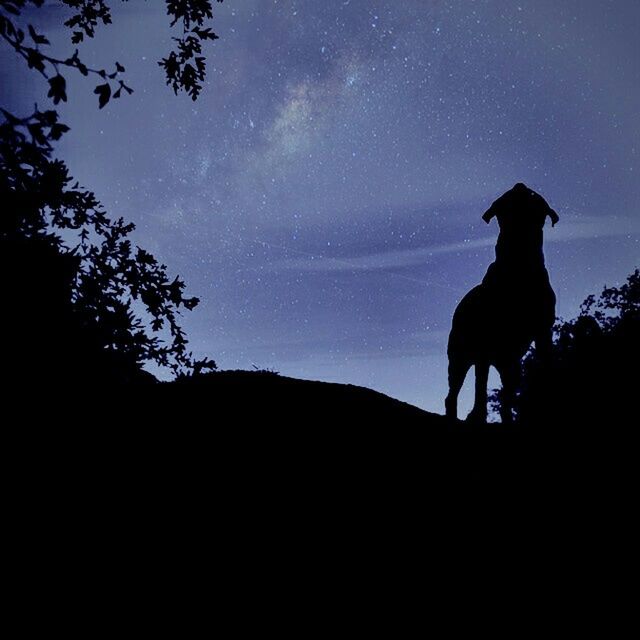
<point x="324" y="195"/>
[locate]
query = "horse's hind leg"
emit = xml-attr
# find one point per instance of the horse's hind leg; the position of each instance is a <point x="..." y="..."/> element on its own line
<point x="479" y="411"/>
<point x="457" y="373"/>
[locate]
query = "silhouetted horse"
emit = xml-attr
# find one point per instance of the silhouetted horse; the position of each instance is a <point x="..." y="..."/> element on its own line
<point x="496" y="322"/>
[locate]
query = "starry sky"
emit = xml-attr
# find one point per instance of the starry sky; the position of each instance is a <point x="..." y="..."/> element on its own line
<point x="324" y="195"/>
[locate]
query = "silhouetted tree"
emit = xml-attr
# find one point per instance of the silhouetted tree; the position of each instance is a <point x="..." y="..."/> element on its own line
<point x="592" y="373"/>
<point x="96" y="269"/>
<point x="184" y="66"/>
<point x="82" y="304"/>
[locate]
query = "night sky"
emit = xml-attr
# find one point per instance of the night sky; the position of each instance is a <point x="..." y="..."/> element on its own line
<point x="324" y="195"/>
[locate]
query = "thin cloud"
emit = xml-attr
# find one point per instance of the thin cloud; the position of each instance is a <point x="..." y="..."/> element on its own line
<point x="591" y="229"/>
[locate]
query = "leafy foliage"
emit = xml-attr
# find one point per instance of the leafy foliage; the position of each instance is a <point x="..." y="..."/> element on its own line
<point x="85" y="20"/>
<point x="185" y="66"/>
<point x="615" y="305"/>
<point x="82" y="298"/>
<point x="51" y="67"/>
<point x="592" y="367"/>
<point x="119" y="294"/>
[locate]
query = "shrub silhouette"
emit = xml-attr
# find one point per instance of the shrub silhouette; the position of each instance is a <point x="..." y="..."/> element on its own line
<point x="81" y="302"/>
<point x="592" y="373"/>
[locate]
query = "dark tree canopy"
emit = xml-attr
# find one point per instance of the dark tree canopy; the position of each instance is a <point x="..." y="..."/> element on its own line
<point x="119" y="292"/>
<point x="83" y="303"/>
<point x="184" y="66"/>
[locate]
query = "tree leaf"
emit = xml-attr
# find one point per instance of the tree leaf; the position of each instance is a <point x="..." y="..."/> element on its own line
<point x="57" y="89"/>
<point x="104" y="94"/>
<point x="37" y="38"/>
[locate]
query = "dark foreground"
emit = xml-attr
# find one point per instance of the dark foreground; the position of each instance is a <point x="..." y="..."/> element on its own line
<point x="248" y="466"/>
<point x="261" y="397"/>
<point x="232" y="402"/>
<point x="242" y="428"/>
<point x="246" y="488"/>
<point x="240" y="419"/>
<point x="251" y="399"/>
